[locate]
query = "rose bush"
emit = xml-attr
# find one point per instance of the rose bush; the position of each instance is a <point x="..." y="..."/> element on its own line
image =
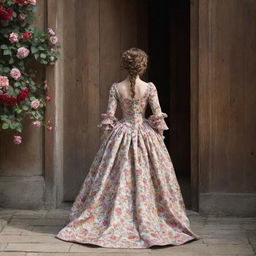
<point x="21" y="44"/>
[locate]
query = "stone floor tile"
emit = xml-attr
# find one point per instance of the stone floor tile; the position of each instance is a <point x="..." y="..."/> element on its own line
<point x="13" y="254"/>
<point x="189" y="248"/>
<point x="4" y="211"/>
<point x="230" y="249"/>
<point x="30" y="213"/>
<point x="231" y="241"/>
<point x="37" y="247"/>
<point x="90" y="254"/>
<point x="197" y="219"/>
<point x="46" y="229"/>
<point x="217" y="226"/>
<point x="32" y="233"/>
<point x="184" y="253"/>
<point x="94" y="249"/>
<point x="29" y="239"/>
<point x="3" y="224"/>
<point x="251" y="235"/>
<point x="3" y="246"/>
<point x="249" y="226"/>
<point x="219" y="233"/>
<point x="16" y="230"/>
<point x="37" y="221"/>
<point x="57" y="214"/>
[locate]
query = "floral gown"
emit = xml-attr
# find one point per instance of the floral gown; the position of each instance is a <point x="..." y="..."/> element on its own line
<point x="130" y="197"/>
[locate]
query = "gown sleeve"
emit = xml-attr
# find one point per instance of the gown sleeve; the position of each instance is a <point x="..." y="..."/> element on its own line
<point x="108" y="119"/>
<point x="156" y="120"/>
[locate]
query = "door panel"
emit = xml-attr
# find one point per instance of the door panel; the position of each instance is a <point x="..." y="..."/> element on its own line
<point x="95" y="34"/>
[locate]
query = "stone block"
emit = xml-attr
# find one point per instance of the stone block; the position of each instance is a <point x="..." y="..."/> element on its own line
<point x="22" y="192"/>
<point x="228" y="204"/>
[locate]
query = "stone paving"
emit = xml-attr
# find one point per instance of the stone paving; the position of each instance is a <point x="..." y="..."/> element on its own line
<point x="31" y="233"/>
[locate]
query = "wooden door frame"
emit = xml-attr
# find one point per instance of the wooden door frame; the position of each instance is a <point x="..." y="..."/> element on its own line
<point x="53" y="141"/>
<point x="194" y="102"/>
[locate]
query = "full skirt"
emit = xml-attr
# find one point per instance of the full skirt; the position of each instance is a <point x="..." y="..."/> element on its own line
<point x="131" y="197"/>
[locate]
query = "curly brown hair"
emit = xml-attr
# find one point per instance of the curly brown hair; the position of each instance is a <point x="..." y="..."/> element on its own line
<point x="135" y="61"/>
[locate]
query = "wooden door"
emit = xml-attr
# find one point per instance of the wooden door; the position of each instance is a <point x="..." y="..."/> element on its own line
<point x="95" y="34"/>
<point x="92" y="49"/>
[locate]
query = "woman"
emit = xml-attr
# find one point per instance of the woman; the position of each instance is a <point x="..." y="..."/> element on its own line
<point x="130" y="197"/>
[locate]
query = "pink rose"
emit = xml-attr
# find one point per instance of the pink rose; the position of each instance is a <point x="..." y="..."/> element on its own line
<point x="35" y="104"/>
<point x="22" y="52"/>
<point x="36" y="123"/>
<point x="14" y="38"/>
<point x="17" y="139"/>
<point x="51" y="32"/>
<point x="47" y="98"/>
<point x="22" y="17"/>
<point x="54" y="40"/>
<point x="4" y="82"/>
<point x="15" y="73"/>
<point x="32" y="2"/>
<point x="49" y="127"/>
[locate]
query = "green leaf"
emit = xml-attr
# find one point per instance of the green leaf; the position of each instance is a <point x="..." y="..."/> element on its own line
<point x="17" y="84"/>
<point x="4" y="46"/>
<point x="11" y="125"/>
<point x="6" y="69"/>
<point x="34" y="49"/>
<point x="25" y="108"/>
<point x="18" y="110"/>
<point x="11" y="91"/>
<point x="11" y="61"/>
<point x="43" y="55"/>
<point x="17" y="90"/>
<point x="5" y="126"/>
<point x="3" y="117"/>
<point x="7" y="52"/>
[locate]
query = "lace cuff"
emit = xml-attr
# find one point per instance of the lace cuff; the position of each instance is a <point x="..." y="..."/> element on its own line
<point x="157" y="122"/>
<point x="108" y="121"/>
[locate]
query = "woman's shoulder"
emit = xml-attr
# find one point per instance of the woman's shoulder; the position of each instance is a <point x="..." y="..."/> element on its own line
<point x="125" y="83"/>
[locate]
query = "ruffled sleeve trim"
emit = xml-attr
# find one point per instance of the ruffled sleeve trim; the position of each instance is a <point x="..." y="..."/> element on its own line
<point x="108" y="121"/>
<point x="157" y="122"/>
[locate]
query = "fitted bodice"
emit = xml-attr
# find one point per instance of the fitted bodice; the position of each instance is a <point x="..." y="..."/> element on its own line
<point x="133" y="110"/>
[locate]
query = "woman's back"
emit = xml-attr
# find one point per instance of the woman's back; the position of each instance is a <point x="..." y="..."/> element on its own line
<point x="124" y="89"/>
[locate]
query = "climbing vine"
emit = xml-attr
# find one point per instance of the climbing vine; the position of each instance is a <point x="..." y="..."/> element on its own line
<point x="21" y="46"/>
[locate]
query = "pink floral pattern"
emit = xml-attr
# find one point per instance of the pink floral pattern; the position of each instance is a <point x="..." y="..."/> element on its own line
<point x="131" y="197"/>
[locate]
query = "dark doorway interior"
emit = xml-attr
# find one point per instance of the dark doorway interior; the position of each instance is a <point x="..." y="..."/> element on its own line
<point x="169" y="68"/>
